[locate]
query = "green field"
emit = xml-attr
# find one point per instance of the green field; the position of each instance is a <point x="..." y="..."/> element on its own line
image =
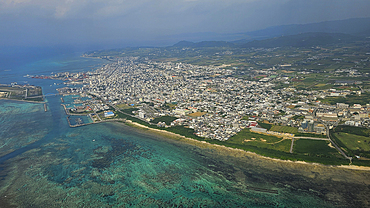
<point x="269" y="145"/>
<point x="310" y="135"/>
<point x="353" y="130"/>
<point x="166" y="119"/>
<point x="123" y="106"/>
<point x="248" y="138"/>
<point x="354" y="140"/>
<point x="129" y="110"/>
<point x="317" y="148"/>
<point x="362" y="99"/>
<point x="285" y="129"/>
<point x="265" y="125"/>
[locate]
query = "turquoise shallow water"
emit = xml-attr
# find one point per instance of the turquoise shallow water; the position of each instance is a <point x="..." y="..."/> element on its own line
<point x="20" y="124"/>
<point x="45" y="163"/>
<point x="113" y="165"/>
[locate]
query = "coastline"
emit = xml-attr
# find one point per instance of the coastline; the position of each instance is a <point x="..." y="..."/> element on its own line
<point x="205" y="144"/>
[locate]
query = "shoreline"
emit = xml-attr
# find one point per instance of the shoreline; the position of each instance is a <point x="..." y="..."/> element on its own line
<point x="171" y="135"/>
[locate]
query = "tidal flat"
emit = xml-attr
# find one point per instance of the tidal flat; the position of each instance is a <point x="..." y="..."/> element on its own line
<point x="115" y="165"/>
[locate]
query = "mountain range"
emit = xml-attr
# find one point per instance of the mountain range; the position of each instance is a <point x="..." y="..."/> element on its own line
<point x="297" y="35"/>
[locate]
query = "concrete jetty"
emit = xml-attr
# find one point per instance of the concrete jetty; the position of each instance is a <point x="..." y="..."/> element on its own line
<point x="65" y="109"/>
<point x="85" y="124"/>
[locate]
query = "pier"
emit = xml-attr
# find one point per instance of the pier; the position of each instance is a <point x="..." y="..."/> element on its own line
<point x="65" y="109"/>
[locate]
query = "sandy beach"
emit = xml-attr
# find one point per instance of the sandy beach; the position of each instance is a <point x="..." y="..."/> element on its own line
<point x="205" y="144"/>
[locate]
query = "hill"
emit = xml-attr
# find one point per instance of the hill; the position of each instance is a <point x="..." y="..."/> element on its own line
<point x="300" y="40"/>
<point x="356" y="26"/>
<point x="303" y="40"/>
<point x="201" y="44"/>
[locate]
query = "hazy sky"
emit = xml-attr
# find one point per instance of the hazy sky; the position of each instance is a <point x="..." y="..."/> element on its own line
<point x="155" y="22"/>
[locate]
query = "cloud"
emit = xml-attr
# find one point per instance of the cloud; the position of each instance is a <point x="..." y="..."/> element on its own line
<point x="58" y="21"/>
<point x="106" y="8"/>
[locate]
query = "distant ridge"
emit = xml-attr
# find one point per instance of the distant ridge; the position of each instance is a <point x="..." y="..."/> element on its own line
<point x="204" y="44"/>
<point x="356" y="26"/>
<point x="303" y="40"/>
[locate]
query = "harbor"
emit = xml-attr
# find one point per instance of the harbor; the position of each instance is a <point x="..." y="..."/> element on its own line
<point x="76" y="121"/>
<point x="81" y="119"/>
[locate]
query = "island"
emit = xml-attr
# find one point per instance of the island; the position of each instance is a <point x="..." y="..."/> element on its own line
<point x="299" y="103"/>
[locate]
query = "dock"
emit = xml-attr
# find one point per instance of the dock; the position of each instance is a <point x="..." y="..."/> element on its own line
<point x="45" y="107"/>
<point x="79" y="121"/>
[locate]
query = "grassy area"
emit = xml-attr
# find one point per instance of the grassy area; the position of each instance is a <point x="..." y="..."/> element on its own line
<point x="129" y="110"/>
<point x="166" y="119"/>
<point x="248" y="138"/>
<point x="123" y="106"/>
<point x="269" y="146"/>
<point x="329" y="159"/>
<point x="320" y="85"/>
<point x="362" y="99"/>
<point x="245" y="118"/>
<point x="354" y="140"/>
<point x="187" y="132"/>
<point x="171" y="106"/>
<point x="315" y="148"/>
<point x="129" y="117"/>
<point x="310" y="135"/>
<point x="353" y="130"/>
<point x="197" y="114"/>
<point x="297" y="117"/>
<point x="265" y="125"/>
<point x="284" y="129"/>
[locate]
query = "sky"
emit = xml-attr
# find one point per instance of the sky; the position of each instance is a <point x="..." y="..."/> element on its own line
<point x="122" y="23"/>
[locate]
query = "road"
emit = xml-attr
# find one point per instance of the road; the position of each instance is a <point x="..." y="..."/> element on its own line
<point x="291" y="146"/>
<point x="313" y="138"/>
<point x="335" y="145"/>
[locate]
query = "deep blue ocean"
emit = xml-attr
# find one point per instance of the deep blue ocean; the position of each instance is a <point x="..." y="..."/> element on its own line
<point x="45" y="163"/>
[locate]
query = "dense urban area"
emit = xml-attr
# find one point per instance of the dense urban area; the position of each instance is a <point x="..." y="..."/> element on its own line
<point x="309" y="103"/>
